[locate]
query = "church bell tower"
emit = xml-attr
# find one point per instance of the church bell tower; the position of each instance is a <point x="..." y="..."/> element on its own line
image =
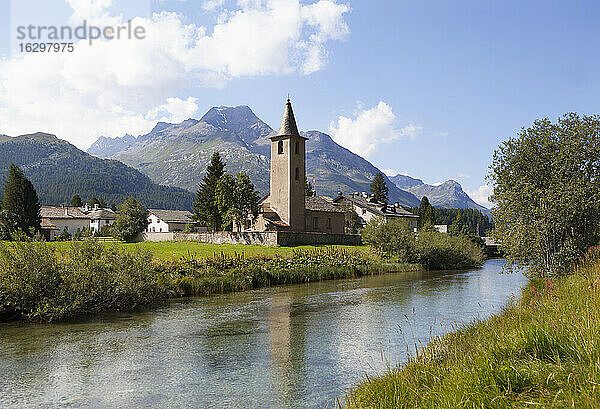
<point x="288" y="172"/>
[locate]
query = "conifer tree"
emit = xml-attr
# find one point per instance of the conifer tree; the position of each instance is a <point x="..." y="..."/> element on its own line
<point x="206" y="207"/>
<point x="76" y="201"/>
<point x="308" y="188"/>
<point x="379" y="188"/>
<point x="20" y="204"/>
<point x="426" y="213"/>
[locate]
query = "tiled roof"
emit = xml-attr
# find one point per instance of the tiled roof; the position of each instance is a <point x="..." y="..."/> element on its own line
<point x="59" y="212"/>
<point x="47" y="225"/>
<point x="172" y="216"/>
<point x="103" y="214"/>
<point x="375" y="207"/>
<point x="320" y="204"/>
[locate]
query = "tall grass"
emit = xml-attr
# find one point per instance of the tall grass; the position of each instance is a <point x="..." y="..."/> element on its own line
<point x="542" y="351"/>
<point x="39" y="283"/>
<point x="235" y="272"/>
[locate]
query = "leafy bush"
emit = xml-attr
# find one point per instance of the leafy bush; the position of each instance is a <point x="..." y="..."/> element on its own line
<point x="394" y="237"/>
<point x="429" y="248"/>
<point x="439" y="251"/>
<point x="39" y="283"/>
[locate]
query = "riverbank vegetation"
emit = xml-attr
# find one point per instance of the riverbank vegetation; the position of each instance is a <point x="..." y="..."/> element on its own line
<point x="44" y="282"/>
<point x="543" y="351"/>
<point x="432" y="250"/>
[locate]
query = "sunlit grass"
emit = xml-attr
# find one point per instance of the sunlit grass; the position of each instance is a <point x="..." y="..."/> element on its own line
<point x="177" y="249"/>
<point x="542" y="351"/>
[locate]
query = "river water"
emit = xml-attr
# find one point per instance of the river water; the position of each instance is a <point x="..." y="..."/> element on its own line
<point x="297" y="346"/>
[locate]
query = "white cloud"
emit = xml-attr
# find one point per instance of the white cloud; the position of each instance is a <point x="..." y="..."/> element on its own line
<point x="462" y="175"/>
<point x="481" y="195"/>
<point x="212" y="5"/>
<point x="442" y="134"/>
<point x="369" y="129"/>
<point x="119" y="86"/>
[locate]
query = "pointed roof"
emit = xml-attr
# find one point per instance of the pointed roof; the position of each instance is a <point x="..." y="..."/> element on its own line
<point x="288" y="125"/>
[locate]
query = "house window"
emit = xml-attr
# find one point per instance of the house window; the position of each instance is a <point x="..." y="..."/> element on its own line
<point x="316" y="223"/>
<point x="280" y="147"/>
<point x="297" y="148"/>
<point x="329" y="223"/>
<point x="160" y="230"/>
<point x="297" y="173"/>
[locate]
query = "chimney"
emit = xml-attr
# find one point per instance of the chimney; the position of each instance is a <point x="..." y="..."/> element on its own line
<point x="96" y="207"/>
<point x="66" y="211"/>
<point x="397" y="204"/>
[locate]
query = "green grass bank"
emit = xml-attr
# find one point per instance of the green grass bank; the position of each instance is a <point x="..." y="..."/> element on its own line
<point x="542" y="351"/>
<point x="48" y="282"/>
<point x="175" y="250"/>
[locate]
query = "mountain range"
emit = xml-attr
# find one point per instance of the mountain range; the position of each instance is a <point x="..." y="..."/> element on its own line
<point x="59" y="170"/>
<point x="163" y="167"/>
<point x="448" y="194"/>
<point x="177" y="154"/>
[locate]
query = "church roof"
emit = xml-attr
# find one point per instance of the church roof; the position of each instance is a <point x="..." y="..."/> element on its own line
<point x="320" y="204"/>
<point x="288" y="125"/>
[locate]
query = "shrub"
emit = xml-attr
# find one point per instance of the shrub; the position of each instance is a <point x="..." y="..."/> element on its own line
<point x="39" y="283"/>
<point x="393" y="237"/>
<point x="431" y="249"/>
<point x="439" y="251"/>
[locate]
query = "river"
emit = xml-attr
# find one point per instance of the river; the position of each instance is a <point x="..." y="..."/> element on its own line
<point x="297" y="346"/>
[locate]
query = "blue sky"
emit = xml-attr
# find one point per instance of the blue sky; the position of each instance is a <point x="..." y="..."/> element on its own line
<point x="426" y="88"/>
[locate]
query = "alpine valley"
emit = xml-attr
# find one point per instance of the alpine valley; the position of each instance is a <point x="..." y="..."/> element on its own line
<point x="177" y="155"/>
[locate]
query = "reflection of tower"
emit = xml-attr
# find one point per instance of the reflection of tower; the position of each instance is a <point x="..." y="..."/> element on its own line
<point x="287" y="336"/>
<point x="288" y="171"/>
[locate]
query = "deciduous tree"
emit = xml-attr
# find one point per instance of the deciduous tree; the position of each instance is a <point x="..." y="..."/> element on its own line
<point x="132" y="219"/>
<point x="546" y="191"/>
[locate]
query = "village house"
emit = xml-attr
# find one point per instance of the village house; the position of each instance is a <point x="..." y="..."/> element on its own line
<point x="367" y="208"/>
<point x="165" y="221"/>
<point x="73" y="220"/>
<point x="287" y="208"/>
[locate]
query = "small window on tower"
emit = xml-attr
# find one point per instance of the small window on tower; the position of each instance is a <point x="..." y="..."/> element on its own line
<point x="280" y="147"/>
<point x="297" y="148"/>
<point x="315" y="223"/>
<point x="297" y="173"/>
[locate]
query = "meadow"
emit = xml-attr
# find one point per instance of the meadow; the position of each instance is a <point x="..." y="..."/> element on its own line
<point x="173" y="250"/>
<point x="542" y="351"/>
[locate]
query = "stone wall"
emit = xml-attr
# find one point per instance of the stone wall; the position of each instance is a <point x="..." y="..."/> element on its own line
<point x="267" y="238"/>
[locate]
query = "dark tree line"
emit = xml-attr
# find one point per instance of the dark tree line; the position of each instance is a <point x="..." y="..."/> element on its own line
<point x="459" y="221"/>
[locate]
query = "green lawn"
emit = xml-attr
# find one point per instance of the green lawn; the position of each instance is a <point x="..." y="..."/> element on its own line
<point x="177" y="249"/>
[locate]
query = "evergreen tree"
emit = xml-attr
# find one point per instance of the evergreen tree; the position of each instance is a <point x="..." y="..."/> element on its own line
<point x="93" y="202"/>
<point x="76" y="201"/>
<point x="20" y="204"/>
<point x="102" y="203"/>
<point x="206" y="207"/>
<point x="379" y="188"/>
<point x="426" y="213"/>
<point x="132" y="219"/>
<point x="308" y="188"/>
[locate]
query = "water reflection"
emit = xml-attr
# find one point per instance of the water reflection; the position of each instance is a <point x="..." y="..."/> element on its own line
<point x="294" y="346"/>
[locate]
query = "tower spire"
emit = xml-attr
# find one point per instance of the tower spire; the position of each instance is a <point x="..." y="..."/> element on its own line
<point x="288" y="125"/>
